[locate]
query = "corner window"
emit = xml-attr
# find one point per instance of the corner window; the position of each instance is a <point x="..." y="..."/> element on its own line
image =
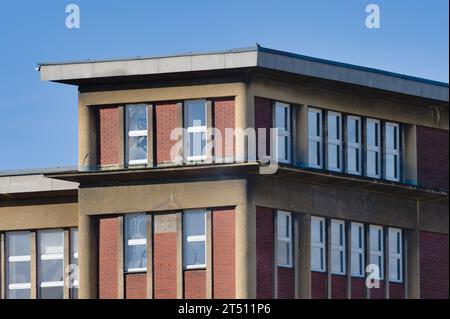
<point x="284" y="240"/>
<point x="377" y="248"/>
<point x="195" y="124"/>
<point x="74" y="262"/>
<point x="373" y="148"/>
<point x="318" y="244"/>
<point x="354" y="145"/>
<point x="357" y="259"/>
<point x="135" y="243"/>
<point x="392" y="151"/>
<point x="18" y="271"/>
<point x="338" y="247"/>
<point x="334" y="141"/>
<point x="283" y="124"/>
<point x="395" y="255"/>
<point x="314" y="138"/>
<point x="136" y="134"/>
<point x="194" y="234"/>
<point x="51" y="264"/>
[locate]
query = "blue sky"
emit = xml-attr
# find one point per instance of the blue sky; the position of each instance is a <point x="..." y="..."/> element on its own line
<point x="38" y="120"/>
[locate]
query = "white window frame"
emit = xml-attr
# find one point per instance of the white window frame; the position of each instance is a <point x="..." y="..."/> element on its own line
<point x="376" y="149"/>
<point x="396" y="256"/>
<point x="355" y="146"/>
<point x="321" y="245"/>
<point x="14" y="259"/>
<point x="393" y="152"/>
<point x="359" y="251"/>
<point x="286" y="240"/>
<point x="191" y="239"/>
<point x="339" y="248"/>
<point x="195" y="129"/>
<point x="45" y="257"/>
<point x="377" y="253"/>
<point x="135" y="133"/>
<point x="285" y="133"/>
<point x="133" y="242"/>
<point x="316" y="138"/>
<point x="336" y="142"/>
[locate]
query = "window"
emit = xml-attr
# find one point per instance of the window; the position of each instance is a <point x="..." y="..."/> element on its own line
<point x="395" y="255"/>
<point x="18" y="271"/>
<point x="317" y="244"/>
<point x="282" y="123"/>
<point x="194" y="230"/>
<point x="136" y="128"/>
<point x="314" y="138"/>
<point x="354" y="145"/>
<point x="51" y="264"/>
<point x="74" y="262"/>
<point x="135" y="243"/>
<point x="358" y="267"/>
<point x="376" y="248"/>
<point x="195" y="123"/>
<point x="284" y="234"/>
<point x="334" y="141"/>
<point x="373" y="148"/>
<point x="392" y="152"/>
<point x="338" y="247"/>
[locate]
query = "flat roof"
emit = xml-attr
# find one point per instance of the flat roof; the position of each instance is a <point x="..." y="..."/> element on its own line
<point x="73" y="72"/>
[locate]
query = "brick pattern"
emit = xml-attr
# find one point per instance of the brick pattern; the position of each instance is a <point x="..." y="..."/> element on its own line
<point x="432" y="157"/>
<point x="165" y="265"/>
<point x="224" y="272"/>
<point x="286" y="283"/>
<point x="108" y="147"/>
<point x="318" y="285"/>
<point x="263" y="118"/>
<point x="108" y="258"/>
<point x="377" y="293"/>
<point x="194" y="284"/>
<point x="358" y="288"/>
<point x="433" y="266"/>
<point x="224" y="117"/>
<point x="396" y="290"/>
<point x="167" y="119"/>
<point x="264" y="253"/>
<point x="136" y="286"/>
<point x="338" y="287"/>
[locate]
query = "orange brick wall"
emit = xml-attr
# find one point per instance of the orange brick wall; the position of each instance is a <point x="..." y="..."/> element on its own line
<point x="136" y="286"/>
<point x="165" y="265"/>
<point x="167" y="119"/>
<point x="108" y="140"/>
<point x="108" y="258"/>
<point x="224" y="117"/>
<point x="194" y="284"/>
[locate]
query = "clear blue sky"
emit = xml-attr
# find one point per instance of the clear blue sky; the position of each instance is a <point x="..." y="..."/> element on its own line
<point x="38" y="120"/>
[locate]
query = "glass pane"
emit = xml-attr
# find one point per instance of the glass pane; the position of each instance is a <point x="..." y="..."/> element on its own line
<point x="281" y="117"/>
<point x="197" y="144"/>
<point x="317" y="261"/>
<point x="136" y="226"/>
<point x="353" y="131"/>
<point x="51" y="293"/>
<point x="333" y="156"/>
<point x="357" y="264"/>
<point x="74" y="293"/>
<point x="314" y="153"/>
<point x="394" y="268"/>
<point x="18" y="244"/>
<point x="51" y="270"/>
<point x="283" y="253"/>
<point x="353" y="160"/>
<point x="391" y="166"/>
<point x="196" y="113"/>
<point x="195" y="253"/>
<point x="337" y="261"/>
<point x="376" y="260"/>
<point x="137" y="148"/>
<point x="372" y="163"/>
<point x="391" y="137"/>
<point x="19" y="294"/>
<point x="73" y="242"/>
<point x="313" y="124"/>
<point x="19" y="272"/>
<point x="376" y="239"/>
<point x="336" y="234"/>
<point x="282" y="148"/>
<point x="333" y="127"/>
<point x="316" y="231"/>
<point x="357" y="237"/>
<point x="372" y="134"/>
<point x="194" y="223"/>
<point x="394" y="242"/>
<point x="137" y="117"/>
<point x="51" y="242"/>
<point x="283" y="225"/>
<point x="136" y="257"/>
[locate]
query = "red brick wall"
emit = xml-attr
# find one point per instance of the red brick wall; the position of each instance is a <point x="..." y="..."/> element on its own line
<point x="432" y="157"/>
<point x="396" y="290"/>
<point x="286" y="283"/>
<point x="264" y="253"/>
<point x="377" y="293"/>
<point x="167" y="119"/>
<point x="338" y="287"/>
<point x="165" y="265"/>
<point x="358" y="288"/>
<point x="108" y="258"/>
<point x="318" y="285"/>
<point x="223" y="233"/>
<point x="264" y="117"/>
<point x="224" y="117"/>
<point x="108" y="140"/>
<point x="194" y="284"/>
<point x="136" y="286"/>
<point x="433" y="266"/>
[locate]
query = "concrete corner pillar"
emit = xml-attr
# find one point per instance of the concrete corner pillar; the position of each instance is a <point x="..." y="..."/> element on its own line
<point x="88" y="258"/>
<point x="302" y="237"/>
<point x="411" y="247"/>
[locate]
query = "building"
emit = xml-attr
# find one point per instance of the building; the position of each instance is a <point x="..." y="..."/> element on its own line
<point x="358" y="175"/>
